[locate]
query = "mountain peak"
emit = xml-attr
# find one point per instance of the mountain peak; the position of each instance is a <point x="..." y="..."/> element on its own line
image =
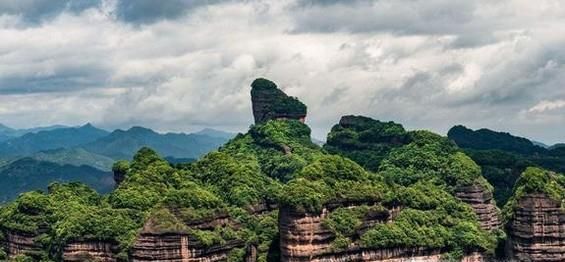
<point x="269" y="102"/>
<point x="140" y="130"/>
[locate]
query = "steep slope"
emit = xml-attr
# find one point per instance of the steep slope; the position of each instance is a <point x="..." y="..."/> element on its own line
<point x="536" y="218"/>
<point x="123" y="144"/>
<point x="53" y="139"/>
<point x="269" y="102"/>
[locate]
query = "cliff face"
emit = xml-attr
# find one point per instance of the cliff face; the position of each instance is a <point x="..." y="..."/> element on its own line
<point x="19" y="243"/>
<point x="304" y="238"/>
<point x="90" y="251"/>
<point x="152" y="245"/>
<point x="481" y="200"/>
<point x="269" y="102"/>
<point x="179" y="247"/>
<point x="537" y="230"/>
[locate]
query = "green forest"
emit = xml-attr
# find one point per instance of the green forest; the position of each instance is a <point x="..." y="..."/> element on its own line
<point x="376" y="165"/>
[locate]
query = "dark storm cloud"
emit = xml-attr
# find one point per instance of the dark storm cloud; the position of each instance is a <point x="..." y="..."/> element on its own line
<point x="35" y="11"/>
<point x="395" y="16"/>
<point x="130" y="11"/>
<point x="424" y="63"/>
<point x="148" y="11"/>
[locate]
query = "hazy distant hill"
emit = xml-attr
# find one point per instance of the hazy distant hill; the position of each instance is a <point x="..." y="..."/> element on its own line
<point x="9" y="132"/>
<point x="485" y="139"/>
<point x="30" y="174"/>
<point x="215" y="133"/>
<point x="51" y="139"/>
<point x="75" y="157"/>
<point x="122" y="144"/>
<point x="86" y="154"/>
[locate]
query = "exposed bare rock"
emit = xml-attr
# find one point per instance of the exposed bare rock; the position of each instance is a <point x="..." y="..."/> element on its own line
<point x="251" y="254"/>
<point x="304" y="238"/>
<point x="269" y="102"/>
<point x="481" y="200"/>
<point x="152" y="245"/>
<point x="537" y="230"/>
<point x="90" y="251"/>
<point x="21" y="243"/>
<point x="179" y="247"/>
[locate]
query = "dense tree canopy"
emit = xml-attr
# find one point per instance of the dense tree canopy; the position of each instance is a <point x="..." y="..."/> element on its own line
<point x="275" y="163"/>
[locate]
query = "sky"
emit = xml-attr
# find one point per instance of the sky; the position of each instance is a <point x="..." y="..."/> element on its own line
<point x="181" y="65"/>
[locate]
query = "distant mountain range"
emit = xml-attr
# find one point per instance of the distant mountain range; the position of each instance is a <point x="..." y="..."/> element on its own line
<point x="30" y="159"/>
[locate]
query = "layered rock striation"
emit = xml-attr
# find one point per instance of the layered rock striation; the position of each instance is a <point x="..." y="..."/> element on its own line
<point x="269" y="102"/>
<point x="303" y="237"/>
<point x="480" y="198"/>
<point x="537" y="230"/>
<point x="21" y="243"/>
<point x="90" y="251"/>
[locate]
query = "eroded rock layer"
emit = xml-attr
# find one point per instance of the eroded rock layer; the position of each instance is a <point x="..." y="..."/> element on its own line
<point x="18" y="243"/>
<point x="481" y="200"/>
<point x="537" y="230"/>
<point x="304" y="238"/>
<point x="179" y="247"/>
<point x="90" y="251"/>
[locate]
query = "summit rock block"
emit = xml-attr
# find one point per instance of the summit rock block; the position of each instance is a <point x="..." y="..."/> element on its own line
<point x="269" y="103"/>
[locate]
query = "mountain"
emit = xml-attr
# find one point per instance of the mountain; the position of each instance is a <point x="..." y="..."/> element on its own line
<point x="269" y="195"/>
<point x="28" y="174"/>
<point x="122" y="144"/>
<point x="540" y="144"/>
<point x="76" y="157"/>
<point x="484" y="139"/>
<point x="556" y="146"/>
<point x="51" y="139"/>
<point x="9" y="132"/>
<point x="215" y="133"/>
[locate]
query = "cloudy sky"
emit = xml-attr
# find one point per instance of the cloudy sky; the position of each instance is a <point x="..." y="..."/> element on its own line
<point x="180" y="65"/>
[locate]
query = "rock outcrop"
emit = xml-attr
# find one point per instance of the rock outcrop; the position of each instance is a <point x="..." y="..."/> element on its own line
<point x="179" y="247"/>
<point x="304" y="238"/>
<point x="537" y="230"/>
<point x="21" y="243"/>
<point x="157" y="245"/>
<point x="481" y="200"/>
<point x="90" y="251"/>
<point x="269" y="102"/>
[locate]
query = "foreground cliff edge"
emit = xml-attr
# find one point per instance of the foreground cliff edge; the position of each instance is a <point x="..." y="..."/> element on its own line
<point x="374" y="192"/>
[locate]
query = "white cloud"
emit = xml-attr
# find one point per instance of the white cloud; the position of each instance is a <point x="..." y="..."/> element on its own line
<point x="426" y="64"/>
<point x="546" y="105"/>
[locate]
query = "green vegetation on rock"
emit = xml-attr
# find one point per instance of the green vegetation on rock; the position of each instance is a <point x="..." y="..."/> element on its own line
<point x="536" y="181"/>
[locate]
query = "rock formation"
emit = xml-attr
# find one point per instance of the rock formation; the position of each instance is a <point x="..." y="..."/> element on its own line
<point x="269" y="102"/>
<point x="537" y="230"/>
<point x="179" y="247"/>
<point x="90" y="251"/>
<point x="481" y="200"/>
<point x="21" y="243"/>
<point x="304" y="238"/>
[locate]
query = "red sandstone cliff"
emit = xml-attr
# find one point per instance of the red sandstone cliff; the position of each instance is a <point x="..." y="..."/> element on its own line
<point x="537" y="230"/>
<point x="482" y="202"/>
